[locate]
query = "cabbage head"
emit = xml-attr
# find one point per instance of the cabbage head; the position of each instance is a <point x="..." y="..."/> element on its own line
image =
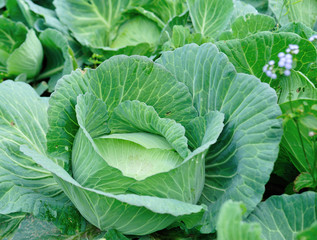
<point x="148" y="144"/>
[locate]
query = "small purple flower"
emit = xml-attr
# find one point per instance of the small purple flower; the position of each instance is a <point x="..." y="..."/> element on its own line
<point x="289" y="60"/>
<point x="287" y="72"/>
<point x="281" y="63"/>
<point x="281" y="54"/>
<point x="269" y="73"/>
<point x="288" y="66"/>
<point x="264" y="69"/>
<point x="288" y="56"/>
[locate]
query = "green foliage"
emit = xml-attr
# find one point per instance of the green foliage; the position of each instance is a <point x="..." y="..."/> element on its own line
<point x="188" y="141"/>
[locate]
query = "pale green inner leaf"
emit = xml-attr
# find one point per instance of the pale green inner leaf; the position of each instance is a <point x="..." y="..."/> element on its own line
<point x="135" y="160"/>
<point x="147" y="140"/>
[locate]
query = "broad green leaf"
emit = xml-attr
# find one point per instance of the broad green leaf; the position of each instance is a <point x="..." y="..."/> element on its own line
<point x="210" y="17"/>
<point x="130" y="33"/>
<point x="2" y="3"/>
<point x="26" y="186"/>
<point x="119" y="79"/>
<point x="9" y="224"/>
<point x="16" y="100"/>
<point x="249" y="24"/>
<point x="296" y="137"/>
<point x="296" y="86"/>
<point x="230" y="225"/>
<point x="27" y="58"/>
<point x="304" y="180"/>
<point x="293" y="10"/>
<point x="107" y="211"/>
<point x="251" y="134"/>
<point x="282" y="217"/>
<point x="59" y="57"/>
<point x="133" y="116"/>
<point x="309" y="233"/>
<point x="250" y="54"/>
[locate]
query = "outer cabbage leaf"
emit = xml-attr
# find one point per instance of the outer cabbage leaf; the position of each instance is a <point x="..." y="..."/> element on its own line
<point x="251" y="134"/>
<point x="25" y="186"/>
<point x="282" y="217"/>
<point x="106" y="210"/>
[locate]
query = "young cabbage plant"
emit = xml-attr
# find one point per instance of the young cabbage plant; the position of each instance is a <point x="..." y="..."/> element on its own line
<point x="146" y="142"/>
